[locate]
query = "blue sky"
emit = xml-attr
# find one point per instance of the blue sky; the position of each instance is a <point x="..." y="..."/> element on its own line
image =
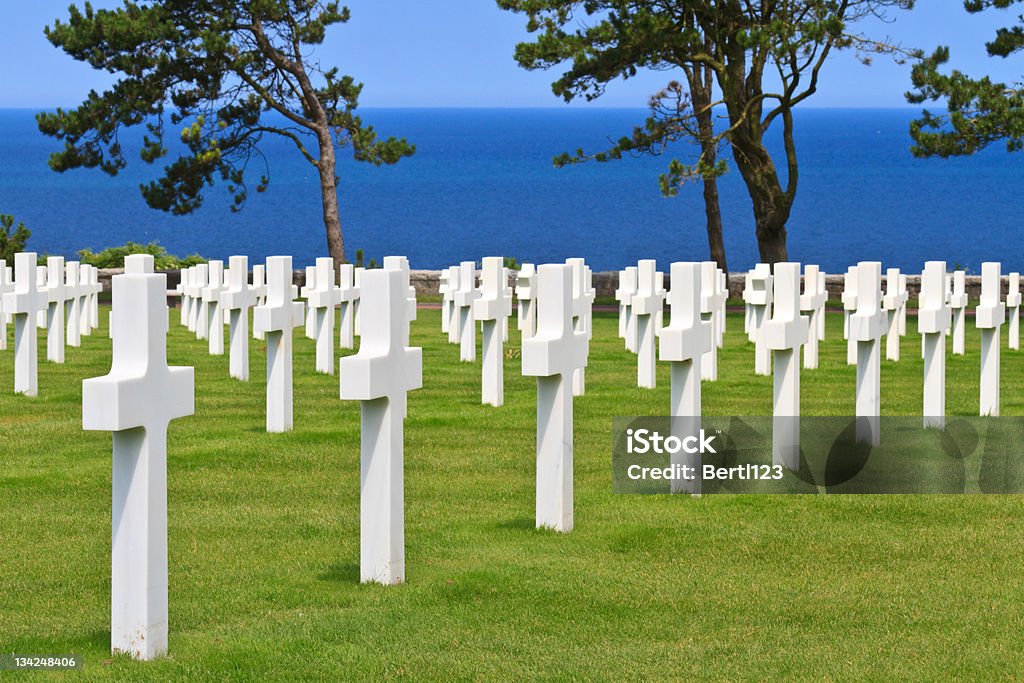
<point x="458" y="53"/>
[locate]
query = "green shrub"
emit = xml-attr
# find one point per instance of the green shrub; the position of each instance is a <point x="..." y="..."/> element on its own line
<point x="113" y="257"/>
<point x="12" y="243"/>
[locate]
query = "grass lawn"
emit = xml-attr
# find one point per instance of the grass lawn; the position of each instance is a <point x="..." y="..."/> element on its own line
<point x="264" y="537"/>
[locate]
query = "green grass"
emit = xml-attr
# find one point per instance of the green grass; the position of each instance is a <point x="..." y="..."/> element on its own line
<point x="264" y="537"/>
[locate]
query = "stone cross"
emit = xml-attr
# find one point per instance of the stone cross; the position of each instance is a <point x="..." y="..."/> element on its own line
<point x="57" y="296"/>
<point x="455" y="325"/>
<point x="464" y="298"/>
<point x="894" y="303"/>
<point x="659" y="317"/>
<point x="933" y="317"/>
<point x="867" y="325"/>
<point x="259" y="288"/>
<point x="25" y="303"/>
<point x="710" y="297"/>
<point x="624" y="295"/>
<point x="628" y="287"/>
<point x="683" y="343"/>
<point x="380" y="376"/>
<point x="490" y="309"/>
<point x="401" y="263"/>
<point x="349" y="295"/>
<point x="182" y="290"/>
<point x="445" y="290"/>
<point x="989" y="317"/>
<point x="136" y="402"/>
<point x="646" y="303"/>
<point x="526" y="287"/>
<point x="322" y="298"/>
<point x="821" y="319"/>
<point x="812" y="301"/>
<point x="202" y="311"/>
<point x="758" y="296"/>
<point x="236" y="300"/>
<point x="85" y="282"/>
<point x="849" y="307"/>
<point x="958" y="306"/>
<point x="552" y="355"/>
<point x="357" y="276"/>
<point x="582" y="308"/>
<point x="721" y="295"/>
<point x="41" y="275"/>
<point x="6" y="285"/>
<point x="75" y="296"/>
<point x="784" y="334"/>
<point x="214" y="312"/>
<point x="310" y="311"/>
<point x="506" y="292"/>
<point x="748" y="312"/>
<point x="1013" y="305"/>
<point x="903" y="305"/>
<point x="275" y="319"/>
<point x="192" y="274"/>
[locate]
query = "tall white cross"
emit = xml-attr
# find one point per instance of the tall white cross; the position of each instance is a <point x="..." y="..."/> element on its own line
<point x="214" y="313"/>
<point x="401" y="263"/>
<point x="628" y="287"/>
<point x="552" y="355"/>
<point x="894" y="302"/>
<point x="182" y="289"/>
<point x="710" y="297"/>
<point x="259" y="288"/>
<point x="721" y="296"/>
<point x="784" y="334"/>
<point x="379" y="376"/>
<point x="136" y="401"/>
<point x="357" y="318"/>
<point x="582" y="306"/>
<point x="821" y="319"/>
<point x="989" y="317"/>
<point x="849" y="307"/>
<point x="683" y="343"/>
<point x="310" y="311"/>
<point x="1013" y="305"/>
<point x="236" y="300"/>
<point x="41" y="275"/>
<point x="526" y="287"/>
<point x="464" y="298"/>
<point x="190" y="276"/>
<point x="6" y="285"/>
<point x="349" y="294"/>
<point x="275" y="319"/>
<point x="75" y="295"/>
<point x="958" y="305"/>
<point x="624" y="295"/>
<point x="322" y="300"/>
<point x="646" y="304"/>
<point x="758" y="297"/>
<point x="933" y="317"/>
<point x="812" y="301"/>
<point x="85" y="285"/>
<point x="445" y="290"/>
<point x="454" y="324"/>
<point x="490" y="309"/>
<point x="25" y="304"/>
<point x="867" y="325"/>
<point x="506" y="293"/>
<point x="57" y="295"/>
<point x="202" y="314"/>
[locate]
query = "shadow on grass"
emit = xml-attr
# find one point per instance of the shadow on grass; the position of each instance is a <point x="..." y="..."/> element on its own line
<point x="518" y="524"/>
<point x="341" y="573"/>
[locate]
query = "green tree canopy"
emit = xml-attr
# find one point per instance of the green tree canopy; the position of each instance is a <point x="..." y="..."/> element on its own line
<point x="213" y="71"/>
<point x="979" y="111"/>
<point x="12" y="239"/>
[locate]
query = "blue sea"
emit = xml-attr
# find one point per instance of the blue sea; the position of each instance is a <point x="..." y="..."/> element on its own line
<point x="482" y="184"/>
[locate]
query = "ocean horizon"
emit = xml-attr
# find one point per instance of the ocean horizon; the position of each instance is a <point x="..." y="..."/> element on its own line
<point x="482" y="183"/>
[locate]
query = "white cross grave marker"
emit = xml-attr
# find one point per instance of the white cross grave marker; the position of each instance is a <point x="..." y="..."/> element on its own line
<point x="464" y="298"/>
<point x="214" y="312"/>
<point x="454" y="324"/>
<point x="709" y="304"/>
<point x="190" y="275"/>
<point x="894" y="303"/>
<point x="401" y="263"/>
<point x="57" y="295"/>
<point x="958" y="305"/>
<point x="552" y="355"/>
<point x="683" y="343"/>
<point x="821" y="319"/>
<point x="24" y="303"/>
<point x="202" y="323"/>
<point x="75" y="295"/>
<point x="784" y="334"/>
<point x="349" y="294"/>
<point x="41" y="275"/>
<point x="867" y="325"/>
<point x="490" y="309"/>
<point x="379" y="376"/>
<point x="506" y="293"/>
<point x="932" y="321"/>
<point x="275" y="319"/>
<point x="322" y="299"/>
<point x="236" y="300"/>
<point x="85" y="285"/>
<point x="646" y="303"/>
<point x="849" y="307"/>
<point x="526" y="287"/>
<point x="759" y="298"/>
<point x="989" y="317"/>
<point x="310" y="311"/>
<point x="628" y="287"/>
<point x="721" y="295"/>
<point x="812" y="301"/>
<point x="659" y="317"/>
<point x="182" y="290"/>
<point x="357" y="318"/>
<point x="1013" y="305"/>
<point x="624" y="297"/>
<point x="136" y="401"/>
<point x="259" y="287"/>
<point x="582" y="306"/>
<point x="6" y="285"/>
<point x="445" y="290"/>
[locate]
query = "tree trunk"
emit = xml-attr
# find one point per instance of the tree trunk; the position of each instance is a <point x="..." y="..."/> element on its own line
<point x="329" y="197"/>
<point x="770" y="202"/>
<point x="701" y="82"/>
<point x="714" y="215"/>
